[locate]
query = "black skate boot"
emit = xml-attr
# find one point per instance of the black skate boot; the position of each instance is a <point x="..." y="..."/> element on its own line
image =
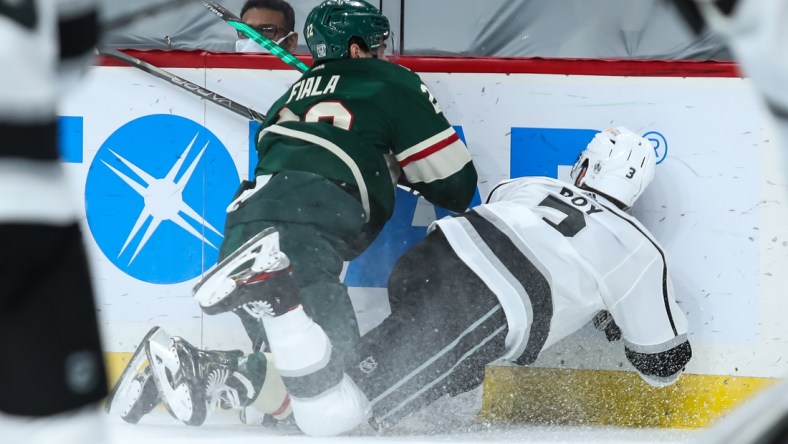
<point x="256" y="278"/>
<point x="193" y="382"/>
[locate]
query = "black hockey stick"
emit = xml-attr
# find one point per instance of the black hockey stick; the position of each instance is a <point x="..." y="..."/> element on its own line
<point x="132" y="17"/>
<point x="225" y="14"/>
<point x="185" y="84"/>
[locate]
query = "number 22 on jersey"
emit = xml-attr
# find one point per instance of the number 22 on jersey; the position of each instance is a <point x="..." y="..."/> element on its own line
<point x="331" y="111"/>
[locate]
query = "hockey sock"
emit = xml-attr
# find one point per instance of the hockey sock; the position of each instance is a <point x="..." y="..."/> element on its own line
<point x="299" y="345"/>
<point x="324" y="400"/>
<point x="271" y="396"/>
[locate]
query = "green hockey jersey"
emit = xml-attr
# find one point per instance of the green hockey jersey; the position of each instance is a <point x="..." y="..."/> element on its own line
<point x="370" y="123"/>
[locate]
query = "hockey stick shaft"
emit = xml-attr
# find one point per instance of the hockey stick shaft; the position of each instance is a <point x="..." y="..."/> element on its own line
<point x="185" y="84"/>
<point x="132" y="17"/>
<point x="224" y="14"/>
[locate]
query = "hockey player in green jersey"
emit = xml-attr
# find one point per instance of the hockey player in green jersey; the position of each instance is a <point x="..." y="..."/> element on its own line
<point x="330" y="156"/>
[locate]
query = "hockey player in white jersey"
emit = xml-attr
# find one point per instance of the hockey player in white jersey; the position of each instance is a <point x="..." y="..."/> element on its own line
<point x="505" y="280"/>
<point x="53" y="373"/>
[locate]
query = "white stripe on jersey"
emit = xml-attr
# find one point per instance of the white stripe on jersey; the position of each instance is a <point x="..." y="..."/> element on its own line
<point x="33" y="192"/>
<point x="449" y="347"/>
<point x="28" y="88"/>
<point x="514" y="300"/>
<point x="436" y="158"/>
<point x="443" y="375"/>
<point x="335" y="150"/>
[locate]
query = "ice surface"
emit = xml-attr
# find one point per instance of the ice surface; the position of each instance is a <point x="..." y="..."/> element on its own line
<point x="160" y="429"/>
<point x="448" y="420"/>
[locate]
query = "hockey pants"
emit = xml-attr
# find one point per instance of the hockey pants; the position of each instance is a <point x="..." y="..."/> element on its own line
<point x="319" y="226"/>
<point x="445" y="326"/>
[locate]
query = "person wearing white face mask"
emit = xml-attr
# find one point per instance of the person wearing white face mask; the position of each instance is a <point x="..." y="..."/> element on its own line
<point x="273" y="19"/>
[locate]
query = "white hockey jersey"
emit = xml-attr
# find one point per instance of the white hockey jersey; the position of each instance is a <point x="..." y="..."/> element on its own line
<point x="556" y="255"/>
<point x="44" y="46"/>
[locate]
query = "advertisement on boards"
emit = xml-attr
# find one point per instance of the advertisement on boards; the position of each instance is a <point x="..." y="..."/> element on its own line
<point x="155" y="168"/>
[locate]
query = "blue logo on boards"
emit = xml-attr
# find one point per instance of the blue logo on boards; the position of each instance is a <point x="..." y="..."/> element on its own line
<point x="660" y="145"/>
<point x="539" y="151"/>
<point x="156" y="195"/>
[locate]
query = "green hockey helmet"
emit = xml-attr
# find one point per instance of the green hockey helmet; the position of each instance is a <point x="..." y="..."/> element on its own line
<point x="330" y="26"/>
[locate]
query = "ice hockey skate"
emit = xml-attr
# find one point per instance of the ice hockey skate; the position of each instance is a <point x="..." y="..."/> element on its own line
<point x="256" y="278"/>
<point x="194" y="382"/>
<point x="135" y="394"/>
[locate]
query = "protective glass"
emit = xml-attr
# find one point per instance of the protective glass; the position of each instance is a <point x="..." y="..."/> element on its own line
<point x="389" y="49"/>
<point x="269" y="31"/>
<point x="245" y="44"/>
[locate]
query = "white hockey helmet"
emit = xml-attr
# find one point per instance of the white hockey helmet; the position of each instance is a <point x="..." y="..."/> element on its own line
<point x="620" y="165"/>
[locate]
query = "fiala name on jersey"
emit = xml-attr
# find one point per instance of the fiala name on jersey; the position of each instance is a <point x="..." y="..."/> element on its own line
<point x="313" y="86"/>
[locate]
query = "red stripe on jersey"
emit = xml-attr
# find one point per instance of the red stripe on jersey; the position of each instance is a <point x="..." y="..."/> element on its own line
<point x="282" y="408"/>
<point x="430" y="150"/>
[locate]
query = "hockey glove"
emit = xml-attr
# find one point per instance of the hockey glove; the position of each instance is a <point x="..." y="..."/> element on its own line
<point x="603" y="321"/>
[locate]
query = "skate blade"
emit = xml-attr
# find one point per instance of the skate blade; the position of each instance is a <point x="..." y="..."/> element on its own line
<point x="257" y="252"/>
<point x="163" y="360"/>
<point x="123" y="393"/>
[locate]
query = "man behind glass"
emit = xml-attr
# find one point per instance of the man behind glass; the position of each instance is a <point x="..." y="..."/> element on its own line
<point x="273" y="19"/>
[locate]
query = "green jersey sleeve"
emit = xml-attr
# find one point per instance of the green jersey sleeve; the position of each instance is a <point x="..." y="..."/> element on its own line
<point x="434" y="160"/>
